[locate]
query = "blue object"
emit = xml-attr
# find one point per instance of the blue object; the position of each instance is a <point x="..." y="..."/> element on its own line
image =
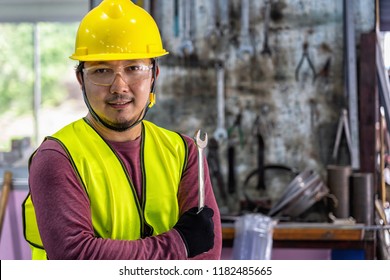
<point x="349" y="254"/>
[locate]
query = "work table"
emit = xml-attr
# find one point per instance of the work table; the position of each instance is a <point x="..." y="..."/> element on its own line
<point x="316" y="235"/>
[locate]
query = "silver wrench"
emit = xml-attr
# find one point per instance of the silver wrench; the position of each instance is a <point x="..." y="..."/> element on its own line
<point x="201" y="144"/>
<point x="220" y="133"/>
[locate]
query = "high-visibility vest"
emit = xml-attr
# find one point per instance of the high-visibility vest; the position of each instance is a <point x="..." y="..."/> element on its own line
<point x="116" y="211"/>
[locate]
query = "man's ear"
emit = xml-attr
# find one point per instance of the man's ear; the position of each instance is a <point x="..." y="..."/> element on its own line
<point x="79" y="79"/>
<point x="157" y="71"/>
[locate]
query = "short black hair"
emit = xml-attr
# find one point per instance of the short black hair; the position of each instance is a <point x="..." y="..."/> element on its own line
<point x="79" y="68"/>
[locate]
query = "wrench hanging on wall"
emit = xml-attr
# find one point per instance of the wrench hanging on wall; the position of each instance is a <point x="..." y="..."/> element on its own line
<point x="187" y="46"/>
<point x="212" y="29"/>
<point x="219" y="26"/>
<point x="220" y="133"/>
<point x="215" y="169"/>
<point x="267" y="16"/>
<point x="223" y="9"/>
<point x="246" y="47"/>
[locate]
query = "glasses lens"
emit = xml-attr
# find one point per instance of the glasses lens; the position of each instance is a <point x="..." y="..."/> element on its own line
<point x="105" y="76"/>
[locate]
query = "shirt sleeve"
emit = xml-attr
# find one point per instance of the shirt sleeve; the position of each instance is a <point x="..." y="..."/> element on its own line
<point x="64" y="218"/>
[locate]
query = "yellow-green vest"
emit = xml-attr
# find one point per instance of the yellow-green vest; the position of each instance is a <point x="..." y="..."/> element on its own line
<point x="117" y="213"/>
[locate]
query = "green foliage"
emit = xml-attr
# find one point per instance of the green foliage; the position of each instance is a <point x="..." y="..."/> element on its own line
<point x="16" y="56"/>
<point x="56" y="43"/>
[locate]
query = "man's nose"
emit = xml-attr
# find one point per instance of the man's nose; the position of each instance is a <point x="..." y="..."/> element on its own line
<point x="119" y="84"/>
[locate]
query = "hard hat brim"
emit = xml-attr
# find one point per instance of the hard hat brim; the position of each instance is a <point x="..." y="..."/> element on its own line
<point x="119" y="56"/>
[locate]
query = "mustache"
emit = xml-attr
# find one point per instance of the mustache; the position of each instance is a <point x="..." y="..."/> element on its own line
<point x="119" y="98"/>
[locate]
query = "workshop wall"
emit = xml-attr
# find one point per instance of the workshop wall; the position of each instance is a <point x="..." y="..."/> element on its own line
<point x="257" y="47"/>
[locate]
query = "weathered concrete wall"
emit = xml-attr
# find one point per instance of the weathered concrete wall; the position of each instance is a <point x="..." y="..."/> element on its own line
<point x="298" y="110"/>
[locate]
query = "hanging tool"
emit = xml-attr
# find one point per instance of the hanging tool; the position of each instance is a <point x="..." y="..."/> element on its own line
<point x="236" y="130"/>
<point x="223" y="9"/>
<point x="260" y="154"/>
<point x="215" y="169"/>
<point x="343" y="123"/>
<point x="212" y="29"/>
<point x="201" y="144"/>
<point x="325" y="71"/>
<point x="267" y="16"/>
<point x="246" y="47"/>
<point x="231" y="169"/>
<point x="218" y="28"/>
<point x="305" y="56"/>
<point x="232" y="143"/>
<point x="220" y="133"/>
<point x="187" y="47"/>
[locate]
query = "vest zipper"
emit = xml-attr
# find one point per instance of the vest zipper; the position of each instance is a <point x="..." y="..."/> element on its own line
<point x="139" y="208"/>
<point x="147" y="228"/>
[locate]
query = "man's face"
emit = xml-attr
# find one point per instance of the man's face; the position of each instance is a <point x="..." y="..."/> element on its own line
<point x="118" y="91"/>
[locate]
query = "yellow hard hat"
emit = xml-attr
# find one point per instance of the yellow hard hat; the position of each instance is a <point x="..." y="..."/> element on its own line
<point x="117" y="30"/>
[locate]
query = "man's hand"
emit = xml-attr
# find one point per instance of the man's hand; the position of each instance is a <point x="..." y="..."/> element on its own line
<point x="197" y="230"/>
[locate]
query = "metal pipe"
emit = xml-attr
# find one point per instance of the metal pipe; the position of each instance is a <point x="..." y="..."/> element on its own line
<point x="384" y="83"/>
<point x="382" y="155"/>
<point x="37" y="83"/>
<point x="351" y="80"/>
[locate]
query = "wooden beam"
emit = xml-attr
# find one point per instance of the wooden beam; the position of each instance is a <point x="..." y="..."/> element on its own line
<point x="368" y="104"/>
<point x="6" y="188"/>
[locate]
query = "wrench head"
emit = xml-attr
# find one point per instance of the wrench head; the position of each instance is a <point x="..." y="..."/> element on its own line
<point x="220" y="134"/>
<point x="201" y="143"/>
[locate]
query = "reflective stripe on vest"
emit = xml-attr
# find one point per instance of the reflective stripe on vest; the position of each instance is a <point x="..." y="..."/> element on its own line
<point x="116" y="210"/>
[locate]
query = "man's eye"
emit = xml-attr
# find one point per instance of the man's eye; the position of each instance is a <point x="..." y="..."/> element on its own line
<point x="101" y="71"/>
<point x="133" y="68"/>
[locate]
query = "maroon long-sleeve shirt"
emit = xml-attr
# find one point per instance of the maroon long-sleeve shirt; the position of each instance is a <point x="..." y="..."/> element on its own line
<point x="63" y="209"/>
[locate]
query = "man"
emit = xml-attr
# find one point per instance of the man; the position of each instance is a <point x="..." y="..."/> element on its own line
<point x="112" y="185"/>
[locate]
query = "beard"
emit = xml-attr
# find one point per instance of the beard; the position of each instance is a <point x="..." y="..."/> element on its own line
<point x="119" y="125"/>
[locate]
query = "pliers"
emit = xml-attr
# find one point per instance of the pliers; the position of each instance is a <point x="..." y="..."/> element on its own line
<point x="236" y="126"/>
<point x="305" y="55"/>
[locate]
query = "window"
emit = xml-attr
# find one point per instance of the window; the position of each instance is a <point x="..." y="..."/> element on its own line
<point x="35" y="68"/>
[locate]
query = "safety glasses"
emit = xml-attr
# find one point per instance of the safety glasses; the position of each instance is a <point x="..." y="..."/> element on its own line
<point x="103" y="75"/>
